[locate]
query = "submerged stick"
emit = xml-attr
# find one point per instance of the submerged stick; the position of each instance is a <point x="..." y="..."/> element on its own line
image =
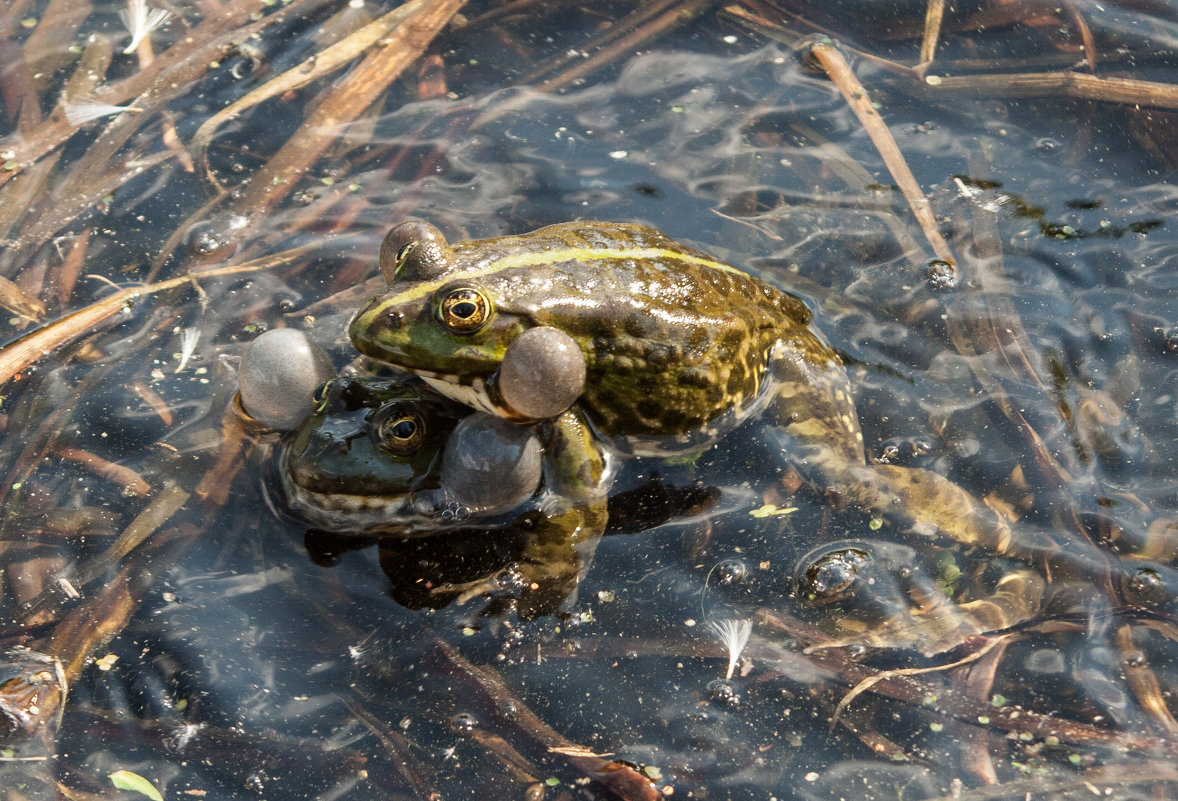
<point x="45" y="340"/>
<point x="831" y="60"/>
<point x="420" y="23"/>
<point x="484" y="686"/>
<point x="322" y="63"/>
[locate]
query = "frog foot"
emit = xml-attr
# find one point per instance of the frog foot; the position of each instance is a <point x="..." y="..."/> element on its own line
<point x="940" y="628"/>
<point x="539" y="589"/>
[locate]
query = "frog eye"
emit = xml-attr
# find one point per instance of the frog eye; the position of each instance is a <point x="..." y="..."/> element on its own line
<point x="834" y="574"/>
<point x="391" y="269"/>
<point x="321" y="396"/>
<point x="402" y="256"/>
<point x="402" y="433"/>
<point x="415" y="251"/>
<point x="464" y="310"/>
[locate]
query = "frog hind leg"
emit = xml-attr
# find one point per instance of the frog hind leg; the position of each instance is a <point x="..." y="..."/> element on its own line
<point x="943" y="625"/>
<point x="817" y="429"/>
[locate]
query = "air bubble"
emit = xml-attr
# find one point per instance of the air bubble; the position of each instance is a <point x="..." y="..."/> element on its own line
<point x="941" y="274"/>
<point x="463" y="723"/>
<point x="731" y="571"/>
<point x="725" y="693"/>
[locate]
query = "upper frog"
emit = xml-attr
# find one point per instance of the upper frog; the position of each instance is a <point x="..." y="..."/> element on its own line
<point x="655" y="345"/>
<point x="675" y="344"/>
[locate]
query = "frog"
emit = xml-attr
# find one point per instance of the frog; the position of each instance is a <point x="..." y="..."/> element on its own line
<point x="373" y="461"/>
<point x="656" y="348"/>
<point x="358" y="468"/>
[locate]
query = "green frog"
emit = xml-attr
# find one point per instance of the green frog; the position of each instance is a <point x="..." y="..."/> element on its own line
<point x="877" y="594"/>
<point x="654" y="346"/>
<point x="381" y="460"/>
<point x="385" y="458"/>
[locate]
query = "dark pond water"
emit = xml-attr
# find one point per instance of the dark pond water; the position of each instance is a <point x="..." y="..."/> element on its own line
<point x="214" y="648"/>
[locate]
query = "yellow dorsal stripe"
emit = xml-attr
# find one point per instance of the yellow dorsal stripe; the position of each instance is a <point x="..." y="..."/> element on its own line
<point x="542" y="257"/>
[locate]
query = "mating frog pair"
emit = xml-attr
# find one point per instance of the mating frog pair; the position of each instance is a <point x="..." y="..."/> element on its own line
<point x="649" y="346"/>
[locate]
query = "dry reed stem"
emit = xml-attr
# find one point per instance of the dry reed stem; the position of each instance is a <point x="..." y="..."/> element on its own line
<point x="165" y="504"/>
<point x="19" y="302"/>
<point x="1086" y="37"/>
<point x="78" y="635"/>
<point x="486" y="686"/>
<point x="236" y="443"/>
<point x="642" y="14"/>
<point x="119" y="474"/>
<point x="831" y="60"/>
<point x="1079" y="85"/>
<point x="676" y="14"/>
<point x="322" y="63"/>
<point x="45" y="340"/>
<point x="1143" y="682"/>
<point x="932" y="30"/>
<point x="168" y="75"/>
<point x="422" y="20"/>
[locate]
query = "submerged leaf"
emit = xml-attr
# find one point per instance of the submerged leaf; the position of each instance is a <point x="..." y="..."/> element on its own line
<point x="126" y="780"/>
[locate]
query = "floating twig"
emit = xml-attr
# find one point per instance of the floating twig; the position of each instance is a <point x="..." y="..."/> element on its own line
<point x="831" y="60"/>
<point x="45" y="340"/>
<point x="1079" y="85"/>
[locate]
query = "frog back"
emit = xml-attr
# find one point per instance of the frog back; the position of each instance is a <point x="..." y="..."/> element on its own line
<point x="678" y="346"/>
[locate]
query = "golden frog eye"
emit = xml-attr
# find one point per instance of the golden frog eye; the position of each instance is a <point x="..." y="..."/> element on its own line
<point x="464" y="310"/>
<point x="321" y="396"/>
<point x="402" y="255"/>
<point x="402" y="433"/>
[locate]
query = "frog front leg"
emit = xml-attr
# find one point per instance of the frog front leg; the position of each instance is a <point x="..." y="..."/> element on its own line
<point x="560" y="520"/>
<point x="573" y="512"/>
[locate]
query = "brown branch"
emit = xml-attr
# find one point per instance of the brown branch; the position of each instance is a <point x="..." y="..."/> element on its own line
<point x="831" y="60"/>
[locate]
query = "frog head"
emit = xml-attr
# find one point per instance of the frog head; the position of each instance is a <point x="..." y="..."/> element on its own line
<point x="449" y="317"/>
<point x="367" y="447"/>
<point x="390" y="456"/>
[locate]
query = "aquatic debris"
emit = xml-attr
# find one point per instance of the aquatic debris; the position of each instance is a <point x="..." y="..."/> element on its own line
<point x="188" y="339"/>
<point x="140" y="22"/>
<point x="80" y="112"/>
<point x="735" y="636"/>
<point x="773" y="510"/>
<point x="126" y="780"/>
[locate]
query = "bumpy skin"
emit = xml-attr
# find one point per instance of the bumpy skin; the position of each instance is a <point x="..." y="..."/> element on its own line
<point x="678" y="348"/>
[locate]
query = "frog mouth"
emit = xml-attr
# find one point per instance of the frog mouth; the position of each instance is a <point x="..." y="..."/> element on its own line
<point x="473" y="392"/>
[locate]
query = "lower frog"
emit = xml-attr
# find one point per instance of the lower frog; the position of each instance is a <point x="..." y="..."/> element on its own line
<point x="656" y="346"/>
<point x="386" y="458"/>
<point x="458" y="501"/>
